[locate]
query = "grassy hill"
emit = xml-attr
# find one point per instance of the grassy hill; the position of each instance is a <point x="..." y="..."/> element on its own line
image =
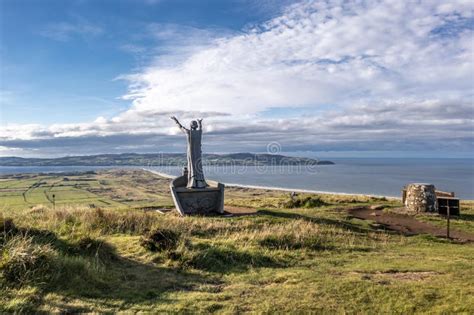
<point x="100" y="251"/>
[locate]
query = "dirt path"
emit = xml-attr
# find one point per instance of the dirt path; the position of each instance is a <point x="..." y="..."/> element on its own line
<point x="405" y="224"/>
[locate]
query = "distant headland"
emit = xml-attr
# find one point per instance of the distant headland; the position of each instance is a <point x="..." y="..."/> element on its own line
<point x="162" y="159"/>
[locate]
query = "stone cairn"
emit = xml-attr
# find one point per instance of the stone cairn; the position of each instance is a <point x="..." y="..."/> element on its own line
<point x="421" y="198"/>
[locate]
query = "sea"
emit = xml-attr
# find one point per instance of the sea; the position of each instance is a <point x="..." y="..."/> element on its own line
<point x="368" y="176"/>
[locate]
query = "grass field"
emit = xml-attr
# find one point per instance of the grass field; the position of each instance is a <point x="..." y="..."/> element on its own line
<point x="99" y="251"/>
<point x="109" y="189"/>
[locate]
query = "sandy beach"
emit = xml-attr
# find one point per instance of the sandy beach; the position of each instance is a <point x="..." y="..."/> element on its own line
<point x="308" y="191"/>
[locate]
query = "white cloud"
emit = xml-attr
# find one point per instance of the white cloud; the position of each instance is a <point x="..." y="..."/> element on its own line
<point x="317" y="53"/>
<point x="377" y="70"/>
<point x="64" y="31"/>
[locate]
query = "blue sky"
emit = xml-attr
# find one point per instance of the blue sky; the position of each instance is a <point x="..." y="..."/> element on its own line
<point x="61" y="59"/>
<point x="354" y="78"/>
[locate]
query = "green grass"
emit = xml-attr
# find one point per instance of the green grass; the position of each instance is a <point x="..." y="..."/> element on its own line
<point x="464" y="222"/>
<point x="306" y="259"/>
<point x="102" y="190"/>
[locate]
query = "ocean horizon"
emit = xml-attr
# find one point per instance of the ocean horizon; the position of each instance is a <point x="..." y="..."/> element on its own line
<point x="368" y="176"/>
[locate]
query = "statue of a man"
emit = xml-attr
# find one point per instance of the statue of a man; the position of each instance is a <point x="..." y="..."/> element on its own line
<point x="194" y="153"/>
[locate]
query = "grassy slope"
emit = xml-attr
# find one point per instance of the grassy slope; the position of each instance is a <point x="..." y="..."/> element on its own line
<point x="314" y="258"/>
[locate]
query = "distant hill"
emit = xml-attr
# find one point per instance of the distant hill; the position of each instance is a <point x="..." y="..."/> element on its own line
<point x="161" y="159"/>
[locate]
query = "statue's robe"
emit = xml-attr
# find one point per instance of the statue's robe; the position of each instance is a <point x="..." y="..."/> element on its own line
<point x="195" y="173"/>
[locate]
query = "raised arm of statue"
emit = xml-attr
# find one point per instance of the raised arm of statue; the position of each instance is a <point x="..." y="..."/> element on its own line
<point x="200" y="124"/>
<point x="178" y="123"/>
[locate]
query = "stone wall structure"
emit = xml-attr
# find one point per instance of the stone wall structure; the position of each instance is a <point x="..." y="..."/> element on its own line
<point x="421" y="197"/>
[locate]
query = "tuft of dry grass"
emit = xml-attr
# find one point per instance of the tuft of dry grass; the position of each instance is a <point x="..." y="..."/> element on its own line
<point x="6" y="225"/>
<point x="159" y="240"/>
<point x="303" y="202"/>
<point x="81" y="220"/>
<point x="98" y="249"/>
<point x="23" y="261"/>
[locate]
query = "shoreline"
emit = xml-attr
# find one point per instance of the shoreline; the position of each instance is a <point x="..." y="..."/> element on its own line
<point x="299" y="190"/>
<point x="229" y="184"/>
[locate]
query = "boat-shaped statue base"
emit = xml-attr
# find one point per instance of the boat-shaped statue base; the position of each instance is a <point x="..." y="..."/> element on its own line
<point x="189" y="201"/>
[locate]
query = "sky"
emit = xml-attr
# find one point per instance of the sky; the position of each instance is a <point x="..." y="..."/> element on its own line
<point x="329" y="78"/>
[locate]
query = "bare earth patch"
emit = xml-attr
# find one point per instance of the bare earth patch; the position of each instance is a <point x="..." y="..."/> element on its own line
<point x="406" y="224"/>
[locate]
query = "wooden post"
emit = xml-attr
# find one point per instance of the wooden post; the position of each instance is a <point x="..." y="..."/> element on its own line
<point x="447" y="222"/>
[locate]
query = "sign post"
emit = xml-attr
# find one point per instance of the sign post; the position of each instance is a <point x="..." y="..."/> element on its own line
<point x="447" y="221"/>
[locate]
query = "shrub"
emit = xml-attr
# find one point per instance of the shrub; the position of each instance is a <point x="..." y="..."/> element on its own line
<point x="303" y="202"/>
<point x="159" y="240"/>
<point x="6" y="225"/>
<point x="110" y="222"/>
<point x="23" y="261"/>
<point x="98" y="249"/>
<point x="6" y="228"/>
<point x="217" y="258"/>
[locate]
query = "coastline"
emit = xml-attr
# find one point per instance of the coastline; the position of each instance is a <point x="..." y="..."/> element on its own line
<point x="265" y="184"/>
<point x="284" y="189"/>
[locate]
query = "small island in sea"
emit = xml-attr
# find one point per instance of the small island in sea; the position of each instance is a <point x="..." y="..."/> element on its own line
<point x="162" y="159"/>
